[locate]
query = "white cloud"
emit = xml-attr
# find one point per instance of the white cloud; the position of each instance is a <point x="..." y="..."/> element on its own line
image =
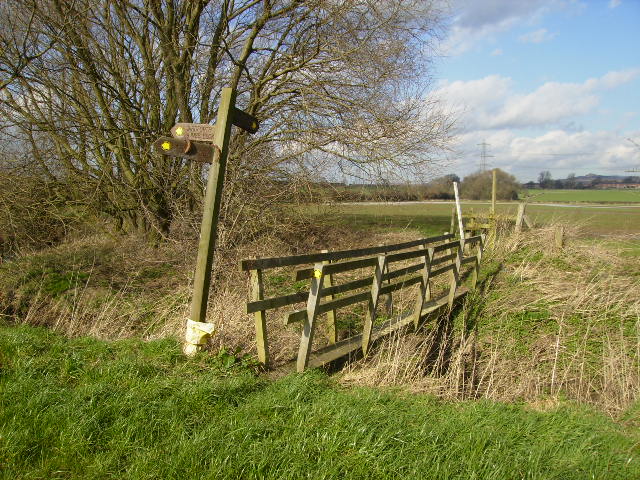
<point x="497" y="52"/>
<point x="491" y="109"/>
<point x="614" y="79"/>
<point x="614" y="3"/>
<point x="492" y="102"/>
<point x="561" y="152"/>
<point x="537" y="36"/>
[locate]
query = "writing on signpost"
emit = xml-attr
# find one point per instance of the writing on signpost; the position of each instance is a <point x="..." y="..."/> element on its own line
<point x="197" y="151"/>
<point x="200" y="132"/>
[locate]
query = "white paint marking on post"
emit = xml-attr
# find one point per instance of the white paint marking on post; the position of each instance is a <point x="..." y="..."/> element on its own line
<point x="458" y="210"/>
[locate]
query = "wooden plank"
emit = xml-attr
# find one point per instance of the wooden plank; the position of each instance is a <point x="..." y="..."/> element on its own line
<point x="257" y="292"/>
<point x="424" y="292"/>
<point x="392" y="287"/>
<point x="332" y="332"/>
<point x="343" y="302"/>
<point x="403" y="271"/>
<point x="479" y="226"/>
<point x="472" y="240"/>
<point x="471" y="259"/>
<point x="370" y="317"/>
<point x="196" y="151"/>
<point x="273" y="262"/>
<point x="398" y="257"/>
<point x="476" y="269"/>
<point x="340" y="267"/>
<point x="388" y="302"/>
<point x="295" y="316"/>
<point x="303" y="274"/>
<point x="446" y="246"/>
<point x="353" y="344"/>
<point x="441" y="270"/>
<point x="347" y="287"/>
<point x="444" y="259"/>
<point x="275" y="302"/>
<point x="437" y="303"/>
<point x="245" y="121"/>
<point x="306" y="340"/>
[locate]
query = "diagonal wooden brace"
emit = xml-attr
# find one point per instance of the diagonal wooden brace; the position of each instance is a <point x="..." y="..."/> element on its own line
<point x="373" y="302"/>
<point x="310" y="322"/>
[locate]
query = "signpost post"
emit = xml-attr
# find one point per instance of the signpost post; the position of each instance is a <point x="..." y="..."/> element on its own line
<point x="188" y="143"/>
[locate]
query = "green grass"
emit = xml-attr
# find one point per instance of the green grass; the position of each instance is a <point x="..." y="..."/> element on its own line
<point x="435" y="218"/>
<point x="587" y="196"/>
<point x="84" y="408"/>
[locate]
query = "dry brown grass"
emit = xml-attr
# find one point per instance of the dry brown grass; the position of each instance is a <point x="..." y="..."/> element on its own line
<point x="553" y="325"/>
<point x="123" y="287"/>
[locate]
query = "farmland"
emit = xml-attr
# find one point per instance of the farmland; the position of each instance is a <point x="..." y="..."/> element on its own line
<point x="584" y="196"/>
<point x="433" y="218"/>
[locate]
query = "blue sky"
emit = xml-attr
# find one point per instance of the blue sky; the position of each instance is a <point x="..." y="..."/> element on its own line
<point x="549" y="84"/>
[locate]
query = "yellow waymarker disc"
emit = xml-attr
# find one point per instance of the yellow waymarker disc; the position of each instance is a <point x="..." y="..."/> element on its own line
<point x="179" y="131"/>
<point x="317" y="273"/>
<point x="166" y="145"/>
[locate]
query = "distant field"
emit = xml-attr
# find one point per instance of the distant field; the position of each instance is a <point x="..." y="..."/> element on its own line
<point x="586" y="196"/>
<point x="433" y="218"/>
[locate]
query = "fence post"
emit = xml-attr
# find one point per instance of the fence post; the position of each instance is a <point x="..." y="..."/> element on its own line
<point x="257" y="293"/>
<point x="493" y="191"/>
<point x="388" y="303"/>
<point x="520" y="217"/>
<point x="424" y="290"/>
<point x="310" y="322"/>
<point x="332" y="330"/>
<point x="455" y="274"/>
<point x="558" y="235"/>
<point x="452" y="228"/>
<point x="373" y="302"/>
<point x="476" y="267"/>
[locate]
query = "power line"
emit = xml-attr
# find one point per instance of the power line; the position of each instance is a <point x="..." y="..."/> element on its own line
<point x="484" y="156"/>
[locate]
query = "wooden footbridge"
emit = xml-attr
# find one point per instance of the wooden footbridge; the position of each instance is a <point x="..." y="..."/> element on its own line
<point x="378" y="271"/>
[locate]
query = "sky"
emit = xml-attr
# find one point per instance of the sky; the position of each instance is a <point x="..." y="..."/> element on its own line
<point x="547" y="84"/>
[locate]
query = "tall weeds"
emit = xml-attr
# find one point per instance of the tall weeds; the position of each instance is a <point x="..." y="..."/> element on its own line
<point x="555" y="324"/>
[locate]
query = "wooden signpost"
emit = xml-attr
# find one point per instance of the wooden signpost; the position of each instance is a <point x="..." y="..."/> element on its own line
<point x="188" y="143"/>
<point x="197" y="151"/>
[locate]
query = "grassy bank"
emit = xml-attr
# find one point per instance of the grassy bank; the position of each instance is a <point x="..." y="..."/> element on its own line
<point x="549" y="325"/>
<point x="84" y="408"/>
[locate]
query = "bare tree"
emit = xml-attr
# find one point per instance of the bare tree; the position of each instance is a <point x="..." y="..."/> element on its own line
<point x="336" y="85"/>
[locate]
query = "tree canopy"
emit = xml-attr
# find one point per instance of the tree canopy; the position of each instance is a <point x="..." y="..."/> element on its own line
<point x="478" y="186"/>
<point x="88" y="85"/>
